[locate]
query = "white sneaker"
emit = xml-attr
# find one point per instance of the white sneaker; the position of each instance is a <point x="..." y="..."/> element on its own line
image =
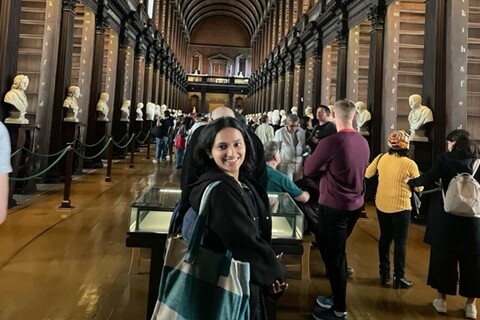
<point x="167" y="158"/>
<point x="440" y="305"/>
<point x="471" y="311"/>
<point x="155" y="161"/>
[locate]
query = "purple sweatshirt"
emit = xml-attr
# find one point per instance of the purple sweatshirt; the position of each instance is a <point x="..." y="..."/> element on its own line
<point x="341" y="160"/>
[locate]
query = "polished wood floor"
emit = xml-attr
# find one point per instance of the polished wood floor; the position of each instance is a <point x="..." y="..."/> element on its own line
<point x="73" y="264"/>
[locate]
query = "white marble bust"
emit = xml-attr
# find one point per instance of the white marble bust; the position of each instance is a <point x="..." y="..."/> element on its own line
<point x="139" y="112"/>
<point x="18" y="99"/>
<point x="294" y="110"/>
<point x="276" y="117"/>
<point x="150" y="112"/>
<point x="309" y="112"/>
<point x="71" y="104"/>
<point x="125" y="111"/>
<point x="362" y="117"/>
<point x="157" y="112"/>
<point x="283" y="119"/>
<point x="102" y="107"/>
<point x="418" y="117"/>
<point x="164" y="108"/>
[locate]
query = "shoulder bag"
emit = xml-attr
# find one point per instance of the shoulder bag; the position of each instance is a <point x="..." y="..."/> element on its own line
<point x="199" y="284"/>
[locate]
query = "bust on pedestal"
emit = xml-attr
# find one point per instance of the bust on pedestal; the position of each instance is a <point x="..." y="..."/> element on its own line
<point x="294" y="110"/>
<point x="157" y="112"/>
<point x="102" y="107"/>
<point x="17" y="98"/>
<point x="139" y="112"/>
<point x="150" y="111"/>
<point x="71" y="105"/>
<point x="283" y="119"/>
<point x="418" y="117"/>
<point x="362" y="118"/>
<point x="125" y="111"/>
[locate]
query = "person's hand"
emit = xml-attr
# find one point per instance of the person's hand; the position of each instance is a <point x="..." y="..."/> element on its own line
<point x="277" y="287"/>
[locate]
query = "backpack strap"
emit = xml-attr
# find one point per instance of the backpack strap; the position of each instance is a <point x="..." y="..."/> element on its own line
<point x="476" y="164"/>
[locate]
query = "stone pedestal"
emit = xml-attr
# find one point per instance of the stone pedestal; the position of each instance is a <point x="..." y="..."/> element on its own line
<point x="23" y="163"/>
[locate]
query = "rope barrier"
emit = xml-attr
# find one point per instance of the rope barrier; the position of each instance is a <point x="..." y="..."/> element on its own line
<point x="146" y="137"/>
<point x="64" y="151"/>
<point x="124" y="146"/>
<point x="125" y="137"/>
<point x="94" y="156"/>
<point x="34" y="153"/>
<point x="96" y="143"/>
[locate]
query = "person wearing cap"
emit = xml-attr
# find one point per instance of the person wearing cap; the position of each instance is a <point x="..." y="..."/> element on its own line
<point x="393" y="205"/>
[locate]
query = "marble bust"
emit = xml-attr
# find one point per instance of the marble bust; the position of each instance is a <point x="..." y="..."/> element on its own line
<point x="418" y="117"/>
<point x="150" y="112"/>
<point x="139" y="112"/>
<point x="276" y="117"/>
<point x="309" y="112"/>
<point x="125" y="111"/>
<point x="157" y="112"/>
<point x="102" y="107"/>
<point x="71" y="104"/>
<point x="18" y="99"/>
<point x="294" y="110"/>
<point x="362" y="117"/>
<point x="283" y="119"/>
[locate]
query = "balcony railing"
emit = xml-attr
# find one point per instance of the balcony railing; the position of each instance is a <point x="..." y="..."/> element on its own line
<point x="207" y="79"/>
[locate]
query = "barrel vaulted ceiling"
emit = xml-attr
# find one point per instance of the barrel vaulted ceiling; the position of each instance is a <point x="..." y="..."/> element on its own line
<point x="249" y="13"/>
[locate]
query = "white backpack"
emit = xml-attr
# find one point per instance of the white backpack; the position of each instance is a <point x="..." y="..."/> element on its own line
<point x="463" y="194"/>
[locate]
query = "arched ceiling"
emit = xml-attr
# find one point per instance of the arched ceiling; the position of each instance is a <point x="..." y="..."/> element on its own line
<point x="249" y="13"/>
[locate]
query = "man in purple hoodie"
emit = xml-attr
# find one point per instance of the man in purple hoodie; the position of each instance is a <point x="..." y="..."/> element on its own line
<point x="340" y="161"/>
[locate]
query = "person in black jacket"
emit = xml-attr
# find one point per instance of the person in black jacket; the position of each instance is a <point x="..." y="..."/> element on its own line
<point x="239" y="216"/>
<point x="454" y="240"/>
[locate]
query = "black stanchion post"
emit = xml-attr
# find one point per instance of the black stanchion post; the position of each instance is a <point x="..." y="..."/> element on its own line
<point x="108" y="177"/>
<point x="148" y="146"/>
<point x="132" y="152"/>
<point x="68" y="179"/>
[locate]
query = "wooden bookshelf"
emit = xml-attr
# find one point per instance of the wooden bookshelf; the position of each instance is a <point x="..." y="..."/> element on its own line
<point x="473" y="70"/>
<point x="410" y="63"/>
<point x="77" y="43"/>
<point x="32" y="25"/>
<point x="358" y="60"/>
<point x="329" y="74"/>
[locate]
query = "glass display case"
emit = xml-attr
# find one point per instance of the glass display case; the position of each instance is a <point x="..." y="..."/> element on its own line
<point x="153" y="210"/>
<point x="287" y="218"/>
<point x="150" y="219"/>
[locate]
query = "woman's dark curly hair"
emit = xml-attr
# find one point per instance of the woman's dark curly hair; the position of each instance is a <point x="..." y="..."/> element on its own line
<point x="205" y="143"/>
<point x="463" y="143"/>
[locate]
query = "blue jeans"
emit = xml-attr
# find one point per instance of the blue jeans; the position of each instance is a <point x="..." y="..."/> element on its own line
<point x="179" y="157"/>
<point x="161" y="148"/>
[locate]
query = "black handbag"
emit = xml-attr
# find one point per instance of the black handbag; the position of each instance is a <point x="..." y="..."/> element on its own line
<point x="156" y="131"/>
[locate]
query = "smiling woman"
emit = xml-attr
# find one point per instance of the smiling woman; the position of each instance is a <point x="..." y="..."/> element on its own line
<point x="239" y="216"/>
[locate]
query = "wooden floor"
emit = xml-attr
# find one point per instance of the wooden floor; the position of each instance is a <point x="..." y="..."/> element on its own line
<point x="73" y="264"/>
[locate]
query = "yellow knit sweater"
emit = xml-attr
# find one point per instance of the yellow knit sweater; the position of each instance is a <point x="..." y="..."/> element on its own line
<point x="393" y="194"/>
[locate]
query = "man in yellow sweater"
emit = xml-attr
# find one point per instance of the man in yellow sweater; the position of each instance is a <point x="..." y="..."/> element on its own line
<point x="393" y="205"/>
